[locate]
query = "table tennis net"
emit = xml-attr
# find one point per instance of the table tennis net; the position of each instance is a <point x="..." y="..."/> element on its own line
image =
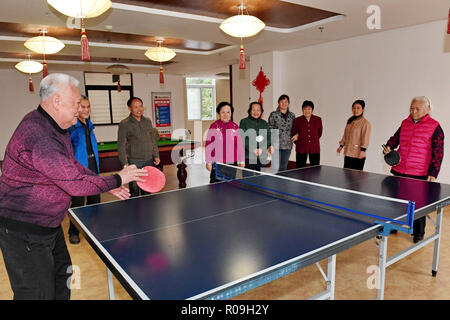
<point x="343" y="202"/>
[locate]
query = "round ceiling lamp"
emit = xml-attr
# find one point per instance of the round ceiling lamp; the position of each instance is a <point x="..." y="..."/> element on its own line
<point x="29" y="66"/>
<point x="242" y="26"/>
<point x="160" y="54"/>
<point x="82" y="9"/>
<point x="116" y="70"/>
<point x="44" y="45"/>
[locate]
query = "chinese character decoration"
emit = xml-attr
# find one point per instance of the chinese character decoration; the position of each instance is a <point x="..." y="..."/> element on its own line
<point x="261" y="82"/>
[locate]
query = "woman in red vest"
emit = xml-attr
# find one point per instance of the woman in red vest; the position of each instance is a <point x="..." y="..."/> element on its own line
<point x="421" y="141"/>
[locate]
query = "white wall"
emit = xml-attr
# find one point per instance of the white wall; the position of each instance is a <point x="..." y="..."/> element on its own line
<point x="241" y="83"/>
<point x="386" y="69"/>
<point x="17" y="101"/>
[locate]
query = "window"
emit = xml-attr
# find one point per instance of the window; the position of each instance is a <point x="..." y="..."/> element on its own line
<point x="108" y="106"/>
<point x="201" y="98"/>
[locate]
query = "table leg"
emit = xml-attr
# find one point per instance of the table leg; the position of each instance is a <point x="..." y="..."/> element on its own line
<point x="331" y="275"/>
<point x="437" y="242"/>
<point x="110" y="285"/>
<point x="382" y="267"/>
<point x="330" y="279"/>
<point x="182" y="174"/>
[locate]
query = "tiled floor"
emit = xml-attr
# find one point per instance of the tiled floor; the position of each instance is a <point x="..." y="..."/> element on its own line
<point x="408" y="279"/>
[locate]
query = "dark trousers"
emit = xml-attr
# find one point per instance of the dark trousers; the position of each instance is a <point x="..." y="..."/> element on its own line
<point x="253" y="166"/>
<point x="419" y="224"/>
<point x="37" y="265"/>
<point x="79" y="202"/>
<point x="135" y="191"/>
<point x="354" y="163"/>
<point x="314" y="159"/>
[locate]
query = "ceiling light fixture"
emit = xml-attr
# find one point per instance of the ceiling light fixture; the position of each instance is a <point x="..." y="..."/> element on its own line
<point x="160" y="54"/>
<point x="44" y="45"/>
<point x="82" y="9"/>
<point x="29" y="66"/>
<point x="242" y="25"/>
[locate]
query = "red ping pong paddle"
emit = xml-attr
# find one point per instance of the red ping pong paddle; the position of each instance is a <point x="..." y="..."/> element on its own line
<point x="155" y="180"/>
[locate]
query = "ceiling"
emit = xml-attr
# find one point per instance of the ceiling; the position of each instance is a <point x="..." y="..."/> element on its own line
<point x="191" y="28"/>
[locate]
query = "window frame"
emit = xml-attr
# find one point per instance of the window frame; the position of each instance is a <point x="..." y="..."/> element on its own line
<point x="109" y="88"/>
<point x="213" y="98"/>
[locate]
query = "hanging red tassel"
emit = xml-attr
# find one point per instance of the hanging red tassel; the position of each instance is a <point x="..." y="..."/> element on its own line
<point x="30" y="84"/>
<point x="119" y="89"/>
<point x="242" y="58"/>
<point x="448" y="26"/>
<point x="161" y="75"/>
<point x="45" y="69"/>
<point x="85" y="56"/>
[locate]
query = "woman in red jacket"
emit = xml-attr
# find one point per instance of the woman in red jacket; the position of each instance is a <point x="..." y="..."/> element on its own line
<point x="421" y="141"/>
<point x="224" y="142"/>
<point x="306" y="132"/>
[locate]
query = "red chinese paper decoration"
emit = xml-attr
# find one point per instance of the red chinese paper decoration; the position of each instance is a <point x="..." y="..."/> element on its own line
<point x="161" y="75"/>
<point x="261" y="82"/>
<point x="242" y="58"/>
<point x="84" y="43"/>
<point x="448" y="26"/>
<point x="45" y="68"/>
<point x="30" y="84"/>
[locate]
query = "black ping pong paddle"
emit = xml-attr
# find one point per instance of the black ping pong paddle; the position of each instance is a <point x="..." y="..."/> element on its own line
<point x="392" y="157"/>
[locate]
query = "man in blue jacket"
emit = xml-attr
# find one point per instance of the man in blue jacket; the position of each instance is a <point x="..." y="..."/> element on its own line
<point x="85" y="150"/>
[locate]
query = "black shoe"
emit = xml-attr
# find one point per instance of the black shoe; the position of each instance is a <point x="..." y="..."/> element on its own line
<point x="417" y="238"/>
<point x="74" y="238"/>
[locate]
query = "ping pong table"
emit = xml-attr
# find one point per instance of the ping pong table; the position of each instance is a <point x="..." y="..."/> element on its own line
<point x="220" y="240"/>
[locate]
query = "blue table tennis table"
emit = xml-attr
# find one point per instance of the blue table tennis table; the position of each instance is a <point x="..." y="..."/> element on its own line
<point x="220" y="240"/>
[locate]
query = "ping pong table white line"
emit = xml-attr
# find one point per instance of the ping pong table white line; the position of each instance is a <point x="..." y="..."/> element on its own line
<point x="130" y="281"/>
<point x="319" y="185"/>
<point x="190" y="221"/>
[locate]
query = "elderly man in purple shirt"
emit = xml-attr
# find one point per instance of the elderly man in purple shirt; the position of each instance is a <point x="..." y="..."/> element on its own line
<point x="39" y="177"/>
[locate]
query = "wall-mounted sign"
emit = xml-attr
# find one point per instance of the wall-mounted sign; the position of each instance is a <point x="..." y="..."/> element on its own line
<point x="161" y="102"/>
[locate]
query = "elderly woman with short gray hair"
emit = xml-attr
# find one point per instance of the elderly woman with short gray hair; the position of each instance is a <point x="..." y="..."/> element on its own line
<point x="420" y="139"/>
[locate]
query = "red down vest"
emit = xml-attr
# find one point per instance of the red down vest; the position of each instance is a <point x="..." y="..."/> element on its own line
<point x="415" y="146"/>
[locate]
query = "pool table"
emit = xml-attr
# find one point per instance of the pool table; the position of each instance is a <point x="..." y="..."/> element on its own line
<point x="109" y="160"/>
